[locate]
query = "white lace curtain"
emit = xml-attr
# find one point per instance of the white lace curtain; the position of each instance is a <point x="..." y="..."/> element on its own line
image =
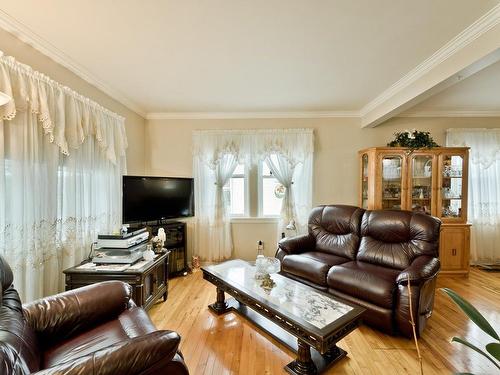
<point x="484" y="189"/>
<point x="61" y="161"/>
<point x="216" y="153"/>
<point x="283" y="169"/>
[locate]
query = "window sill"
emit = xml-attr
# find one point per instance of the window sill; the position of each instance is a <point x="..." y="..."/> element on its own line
<point x="254" y="220"/>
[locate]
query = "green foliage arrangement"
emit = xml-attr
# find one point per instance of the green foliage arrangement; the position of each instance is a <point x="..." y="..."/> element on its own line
<point x="492" y="348"/>
<point x="413" y="139"/>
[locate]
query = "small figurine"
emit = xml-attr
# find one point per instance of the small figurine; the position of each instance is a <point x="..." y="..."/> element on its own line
<point x="267" y="282"/>
<point x="162" y="236"/>
<point x="195" y="262"/>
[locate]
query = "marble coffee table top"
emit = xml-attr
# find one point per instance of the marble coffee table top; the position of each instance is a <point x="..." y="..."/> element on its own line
<point x="288" y="295"/>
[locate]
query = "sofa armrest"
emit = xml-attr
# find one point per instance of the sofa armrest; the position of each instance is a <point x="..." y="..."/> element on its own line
<point x="422" y="268"/>
<point x="62" y="315"/>
<point x="134" y="356"/>
<point x="297" y="244"/>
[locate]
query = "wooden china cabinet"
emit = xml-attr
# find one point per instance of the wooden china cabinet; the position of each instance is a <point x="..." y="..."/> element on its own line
<point x="433" y="181"/>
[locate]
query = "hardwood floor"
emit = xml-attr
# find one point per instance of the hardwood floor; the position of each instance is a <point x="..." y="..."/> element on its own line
<point x="228" y="344"/>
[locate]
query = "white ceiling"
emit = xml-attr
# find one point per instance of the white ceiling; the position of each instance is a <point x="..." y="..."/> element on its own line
<point x="477" y="93"/>
<point x="248" y="56"/>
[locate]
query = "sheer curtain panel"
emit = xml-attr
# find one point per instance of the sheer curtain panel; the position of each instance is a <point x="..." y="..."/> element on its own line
<point x="214" y="161"/>
<point x="283" y="169"/>
<point x="216" y="153"/>
<point x="484" y="189"/>
<point x="61" y="161"/>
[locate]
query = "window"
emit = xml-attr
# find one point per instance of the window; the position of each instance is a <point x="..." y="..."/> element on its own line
<point x="235" y="192"/>
<point x="254" y="192"/>
<point x="271" y="192"/>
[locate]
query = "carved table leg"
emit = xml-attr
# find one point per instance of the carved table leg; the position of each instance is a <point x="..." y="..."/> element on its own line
<point x="220" y="306"/>
<point x="334" y="353"/>
<point x="303" y="365"/>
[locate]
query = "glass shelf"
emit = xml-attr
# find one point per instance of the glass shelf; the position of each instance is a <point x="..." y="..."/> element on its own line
<point x="451" y="186"/>
<point x="392" y="182"/>
<point x="421" y="183"/>
<point x="364" y="182"/>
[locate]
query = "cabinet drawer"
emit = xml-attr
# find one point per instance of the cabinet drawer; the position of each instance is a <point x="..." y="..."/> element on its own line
<point x="454" y="249"/>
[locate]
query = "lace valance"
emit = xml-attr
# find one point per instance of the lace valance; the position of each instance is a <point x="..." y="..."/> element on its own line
<point x="250" y="146"/>
<point x="484" y="144"/>
<point x="66" y="116"/>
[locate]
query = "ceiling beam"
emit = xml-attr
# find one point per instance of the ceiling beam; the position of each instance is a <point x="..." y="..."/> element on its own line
<point x="472" y="50"/>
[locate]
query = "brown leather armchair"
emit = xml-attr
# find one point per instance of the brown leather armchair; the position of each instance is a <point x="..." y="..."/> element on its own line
<point x="96" y="329"/>
<point x="366" y="257"/>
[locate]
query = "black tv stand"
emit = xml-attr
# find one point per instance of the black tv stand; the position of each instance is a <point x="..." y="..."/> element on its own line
<point x="176" y="243"/>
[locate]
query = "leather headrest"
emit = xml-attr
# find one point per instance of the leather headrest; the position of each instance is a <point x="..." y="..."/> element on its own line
<point x="6" y="276"/>
<point x="400" y="226"/>
<point x="394" y="238"/>
<point x="336" y="218"/>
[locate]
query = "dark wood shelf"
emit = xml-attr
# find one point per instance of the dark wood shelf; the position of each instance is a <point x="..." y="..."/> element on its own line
<point x="176" y="244"/>
<point x="149" y="283"/>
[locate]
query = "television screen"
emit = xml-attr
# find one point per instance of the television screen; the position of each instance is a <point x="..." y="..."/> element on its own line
<point x="157" y="198"/>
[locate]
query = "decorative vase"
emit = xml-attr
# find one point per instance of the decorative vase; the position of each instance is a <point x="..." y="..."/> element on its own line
<point x="149" y="254"/>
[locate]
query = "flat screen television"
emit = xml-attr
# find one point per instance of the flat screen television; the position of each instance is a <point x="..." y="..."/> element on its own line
<point x="157" y="198"/>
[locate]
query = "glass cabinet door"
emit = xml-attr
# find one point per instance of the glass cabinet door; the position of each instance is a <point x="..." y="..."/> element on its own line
<point x="392" y="183"/>
<point x="452" y="167"/>
<point x="421" y="184"/>
<point x="364" y="181"/>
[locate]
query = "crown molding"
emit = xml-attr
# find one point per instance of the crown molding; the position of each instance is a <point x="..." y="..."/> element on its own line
<point x="474" y="31"/>
<point x="451" y="113"/>
<point x="247" y="115"/>
<point x="471" y="33"/>
<point x="28" y="36"/>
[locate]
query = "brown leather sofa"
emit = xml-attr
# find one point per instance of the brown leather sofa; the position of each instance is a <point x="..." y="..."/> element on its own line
<point x="92" y="330"/>
<point x="366" y="257"/>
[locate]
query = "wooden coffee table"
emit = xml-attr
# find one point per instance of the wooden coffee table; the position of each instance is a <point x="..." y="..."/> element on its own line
<point x="304" y="319"/>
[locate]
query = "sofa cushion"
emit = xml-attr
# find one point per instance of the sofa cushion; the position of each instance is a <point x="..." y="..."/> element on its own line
<point x="326" y="258"/>
<point x="394" y="238"/>
<point x="375" y="316"/>
<point x="336" y="229"/>
<point x="312" y="266"/>
<point x="365" y="281"/>
<point x="131" y="323"/>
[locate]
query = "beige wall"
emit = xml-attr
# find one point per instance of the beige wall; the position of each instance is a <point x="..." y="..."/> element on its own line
<point x="163" y="147"/>
<point x="337" y="141"/>
<point x="135" y="124"/>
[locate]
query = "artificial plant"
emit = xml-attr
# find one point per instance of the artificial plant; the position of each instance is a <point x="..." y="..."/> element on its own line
<point x="413" y="139"/>
<point x="492" y="348"/>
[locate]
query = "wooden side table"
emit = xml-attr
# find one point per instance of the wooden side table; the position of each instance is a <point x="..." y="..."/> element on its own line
<point x="149" y="283"/>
